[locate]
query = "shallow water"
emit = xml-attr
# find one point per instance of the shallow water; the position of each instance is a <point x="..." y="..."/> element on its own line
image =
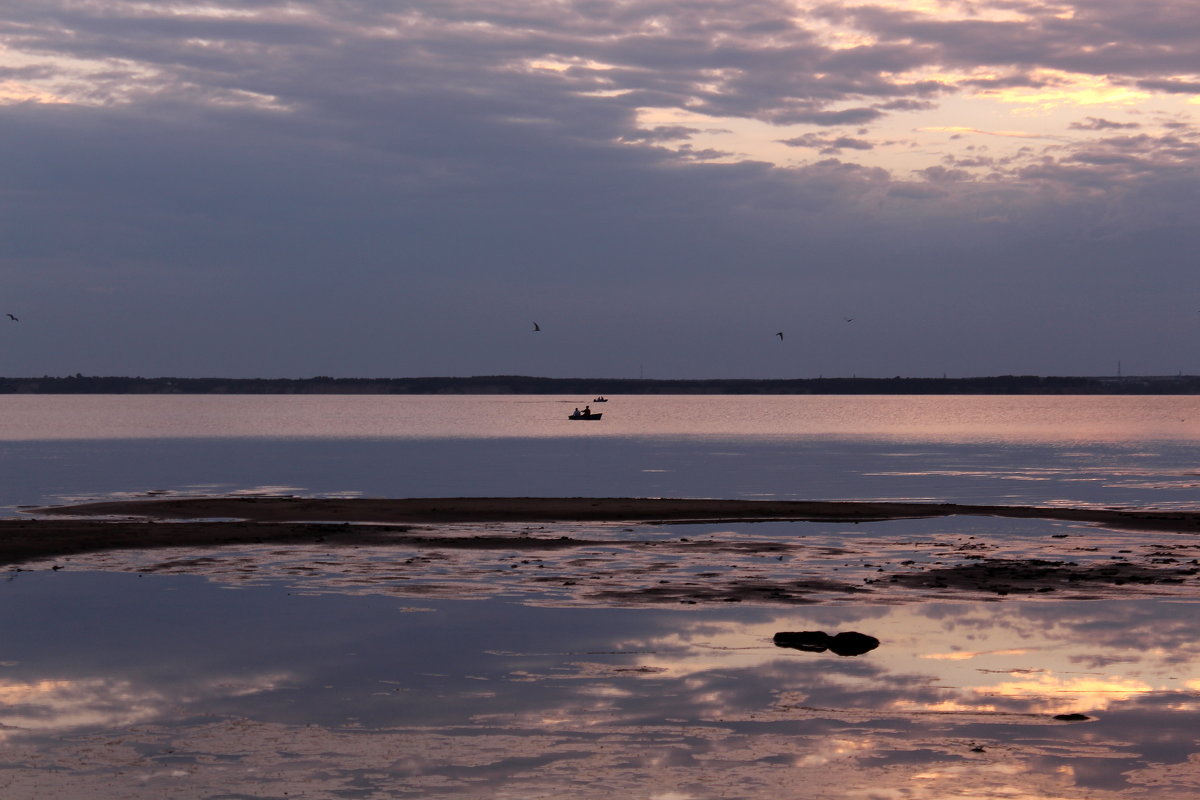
<point x="300" y="673"/>
<point x="172" y="686"/>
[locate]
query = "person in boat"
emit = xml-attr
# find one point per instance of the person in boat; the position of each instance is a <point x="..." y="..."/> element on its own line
<point x="587" y="410"/>
<point x="576" y="414"/>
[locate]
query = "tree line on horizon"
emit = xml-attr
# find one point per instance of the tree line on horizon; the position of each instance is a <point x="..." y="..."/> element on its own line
<point x="517" y="384"/>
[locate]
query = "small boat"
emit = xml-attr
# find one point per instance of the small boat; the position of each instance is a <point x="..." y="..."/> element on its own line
<point x="581" y="415"/>
<point x="601" y="399"/>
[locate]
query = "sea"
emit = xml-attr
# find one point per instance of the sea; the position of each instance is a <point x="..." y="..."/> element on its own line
<point x="1085" y="450"/>
<point x="119" y="681"/>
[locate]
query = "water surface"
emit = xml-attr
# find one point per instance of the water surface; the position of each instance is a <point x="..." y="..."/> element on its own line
<point x="947" y="418"/>
<point x="175" y="687"/>
<point x="303" y="673"/>
<point x="1138" y="451"/>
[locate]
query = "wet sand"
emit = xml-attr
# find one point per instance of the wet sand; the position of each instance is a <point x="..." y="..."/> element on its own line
<point x="622" y="551"/>
<point x="597" y="509"/>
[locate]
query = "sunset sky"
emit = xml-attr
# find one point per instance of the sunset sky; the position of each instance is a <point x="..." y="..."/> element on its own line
<point x="400" y="188"/>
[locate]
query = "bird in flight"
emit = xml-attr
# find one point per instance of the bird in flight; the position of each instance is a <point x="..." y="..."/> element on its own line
<point x="536" y="327"/>
<point x="849" y="319"/>
<point x="780" y="335"/>
<point x="14" y="319"/>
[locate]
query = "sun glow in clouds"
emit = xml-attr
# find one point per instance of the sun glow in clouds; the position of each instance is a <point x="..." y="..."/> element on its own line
<point x="14" y="92"/>
<point x="956" y="10"/>
<point x="565" y="64"/>
<point x="206" y="10"/>
<point x="1056" y="89"/>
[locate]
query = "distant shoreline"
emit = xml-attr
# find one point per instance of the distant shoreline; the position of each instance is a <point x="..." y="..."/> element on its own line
<point x="589" y="387"/>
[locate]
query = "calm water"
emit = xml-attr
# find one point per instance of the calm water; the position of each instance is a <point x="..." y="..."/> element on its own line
<point x="1029" y="419"/>
<point x="1106" y="450"/>
<point x="122" y="684"/>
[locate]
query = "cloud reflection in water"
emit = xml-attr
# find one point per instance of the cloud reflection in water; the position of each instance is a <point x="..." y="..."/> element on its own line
<point x="351" y="696"/>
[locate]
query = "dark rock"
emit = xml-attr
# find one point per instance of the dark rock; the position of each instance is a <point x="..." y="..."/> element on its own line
<point x="852" y="643"/>
<point x="847" y="643"/>
<point x="810" y="641"/>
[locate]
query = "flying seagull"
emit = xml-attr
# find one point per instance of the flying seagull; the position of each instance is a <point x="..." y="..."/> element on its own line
<point x="849" y="319"/>
<point x="780" y="335"/>
<point x="536" y="327"/>
<point x="14" y="319"/>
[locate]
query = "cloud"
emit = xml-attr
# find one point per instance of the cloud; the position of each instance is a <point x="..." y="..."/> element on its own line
<point x="1097" y="38"/>
<point x="848" y="116"/>
<point x="1171" y="86"/>
<point x="939" y="174"/>
<point x="661" y="133"/>
<point x="448" y="166"/>
<point x="1098" y="124"/>
<point x="829" y="145"/>
<point x="962" y="129"/>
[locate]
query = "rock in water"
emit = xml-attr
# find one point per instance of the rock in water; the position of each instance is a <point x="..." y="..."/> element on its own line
<point x="847" y="643"/>
<point x="852" y="643"/>
<point x="810" y="641"/>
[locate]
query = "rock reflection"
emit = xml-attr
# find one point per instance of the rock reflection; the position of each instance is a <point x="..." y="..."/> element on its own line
<point x="846" y="643"/>
<point x="482" y="700"/>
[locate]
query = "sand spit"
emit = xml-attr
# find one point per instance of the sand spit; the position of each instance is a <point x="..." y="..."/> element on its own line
<point x="598" y="509"/>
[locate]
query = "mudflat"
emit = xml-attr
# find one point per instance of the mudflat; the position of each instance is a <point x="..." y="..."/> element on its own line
<point x="624" y="550"/>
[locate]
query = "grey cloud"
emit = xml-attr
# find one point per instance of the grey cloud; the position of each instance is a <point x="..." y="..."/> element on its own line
<point x="916" y="192"/>
<point x="661" y="133"/>
<point x="1171" y="86"/>
<point x="1102" y="37"/>
<point x="1076" y="176"/>
<point x="1019" y="80"/>
<point x="719" y="57"/>
<point x="710" y="57"/>
<point x="1087" y="157"/>
<point x="26" y="73"/>
<point x="707" y="154"/>
<point x="1170" y="151"/>
<point x="1099" y="124"/>
<point x="938" y="174"/>
<point x="849" y="116"/>
<point x="976" y="162"/>
<point x="828" y="144"/>
<point x="906" y="105"/>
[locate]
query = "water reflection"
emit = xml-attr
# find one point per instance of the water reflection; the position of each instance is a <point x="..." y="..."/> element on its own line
<point x="358" y="678"/>
<point x="1143" y="474"/>
<point x="945" y="418"/>
<point x="262" y="692"/>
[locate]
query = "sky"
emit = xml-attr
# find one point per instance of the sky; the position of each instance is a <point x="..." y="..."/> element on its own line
<point x="393" y="188"/>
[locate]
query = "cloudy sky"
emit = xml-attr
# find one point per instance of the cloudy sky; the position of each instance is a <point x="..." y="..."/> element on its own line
<point x="402" y="187"/>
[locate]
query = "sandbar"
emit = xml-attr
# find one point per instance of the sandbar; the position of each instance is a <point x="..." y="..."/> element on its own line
<point x="597" y="509"/>
<point x="429" y="523"/>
